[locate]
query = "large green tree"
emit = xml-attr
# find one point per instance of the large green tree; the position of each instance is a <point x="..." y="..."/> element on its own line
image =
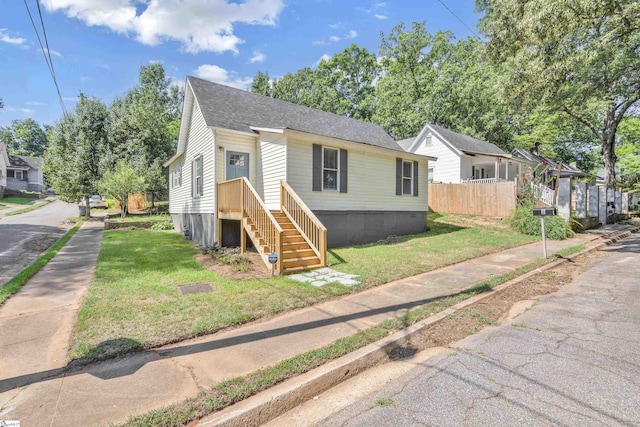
<point x="143" y="126"/>
<point x="24" y="138"/>
<point x="77" y="144"/>
<point x="578" y="57"/>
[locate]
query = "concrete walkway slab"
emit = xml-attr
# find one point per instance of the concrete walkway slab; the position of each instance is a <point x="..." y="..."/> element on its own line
<point x="139" y="382"/>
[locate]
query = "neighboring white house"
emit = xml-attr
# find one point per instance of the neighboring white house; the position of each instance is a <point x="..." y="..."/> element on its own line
<point x="24" y="173"/>
<point x="4" y="162"/>
<point x="305" y="169"/>
<point x="461" y="158"/>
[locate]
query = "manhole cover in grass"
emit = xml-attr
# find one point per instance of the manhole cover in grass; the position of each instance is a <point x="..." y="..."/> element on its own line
<point x="196" y="288"/>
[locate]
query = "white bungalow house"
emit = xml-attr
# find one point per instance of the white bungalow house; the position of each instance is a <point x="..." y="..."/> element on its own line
<point x="24" y="173"/>
<point x="461" y="158"/>
<point x="292" y="179"/>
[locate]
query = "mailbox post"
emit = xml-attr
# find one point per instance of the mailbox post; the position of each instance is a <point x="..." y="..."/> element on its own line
<point x="542" y="212"/>
<point x="273" y="259"/>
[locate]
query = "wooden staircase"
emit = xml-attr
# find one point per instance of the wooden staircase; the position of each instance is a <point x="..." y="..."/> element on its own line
<point x="293" y="232"/>
<point x="297" y="254"/>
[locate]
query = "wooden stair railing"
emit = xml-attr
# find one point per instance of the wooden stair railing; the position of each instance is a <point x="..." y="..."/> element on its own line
<point x="257" y="220"/>
<point x="304" y="220"/>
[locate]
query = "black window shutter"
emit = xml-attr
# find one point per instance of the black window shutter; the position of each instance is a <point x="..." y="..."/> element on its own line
<point x="343" y="171"/>
<point x="317" y="167"/>
<point x="398" y="177"/>
<point x="415" y="178"/>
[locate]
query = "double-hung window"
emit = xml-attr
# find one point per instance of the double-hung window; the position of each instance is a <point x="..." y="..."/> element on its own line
<point x="406" y="177"/>
<point x="330" y="168"/>
<point x="196" y="176"/>
<point x="176" y="177"/>
<point x="18" y="175"/>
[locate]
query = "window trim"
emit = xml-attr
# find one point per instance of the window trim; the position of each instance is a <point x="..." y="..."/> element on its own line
<point x="198" y="190"/>
<point x="409" y="178"/>
<point x="337" y="170"/>
<point x="21" y="175"/>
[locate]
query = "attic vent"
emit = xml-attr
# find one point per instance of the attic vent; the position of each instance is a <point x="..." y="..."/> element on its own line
<point x="427" y="140"/>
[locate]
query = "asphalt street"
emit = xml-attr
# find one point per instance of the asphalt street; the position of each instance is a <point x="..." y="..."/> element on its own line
<point x="17" y="231"/>
<point x="571" y="360"/>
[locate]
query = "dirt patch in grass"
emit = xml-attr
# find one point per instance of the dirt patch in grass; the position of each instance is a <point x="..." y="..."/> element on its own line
<point x="493" y="310"/>
<point x="254" y="268"/>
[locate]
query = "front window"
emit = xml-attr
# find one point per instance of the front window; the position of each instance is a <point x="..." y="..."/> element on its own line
<point x="18" y="175"/>
<point x="407" y="178"/>
<point x="330" y="166"/>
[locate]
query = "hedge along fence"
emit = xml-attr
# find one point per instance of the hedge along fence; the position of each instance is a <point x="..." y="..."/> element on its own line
<point x="497" y="199"/>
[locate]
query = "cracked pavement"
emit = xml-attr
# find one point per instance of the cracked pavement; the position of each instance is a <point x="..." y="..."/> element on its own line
<point x="573" y="359"/>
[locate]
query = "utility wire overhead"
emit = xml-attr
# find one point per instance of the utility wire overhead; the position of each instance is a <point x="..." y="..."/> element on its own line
<point x="46" y="53"/>
<point x="458" y="18"/>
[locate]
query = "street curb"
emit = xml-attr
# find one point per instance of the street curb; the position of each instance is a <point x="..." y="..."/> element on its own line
<point x="277" y="400"/>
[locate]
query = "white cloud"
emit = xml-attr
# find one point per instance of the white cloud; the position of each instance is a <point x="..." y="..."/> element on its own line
<point x="27" y="110"/>
<point x="85" y="79"/>
<point x="334" y="38"/>
<point x="52" y="52"/>
<point x="36" y="103"/>
<point x="71" y="98"/>
<point x="156" y="61"/>
<point x="337" y="25"/>
<point x="351" y="35"/>
<point x="319" y="43"/>
<point x="7" y="109"/>
<point x="5" y="37"/>
<point x="324" y="57"/>
<point x="200" y="25"/>
<point x="220" y="75"/>
<point x="378" y="16"/>
<point x="258" y="57"/>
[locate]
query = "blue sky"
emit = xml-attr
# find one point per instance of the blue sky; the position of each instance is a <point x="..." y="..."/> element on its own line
<point x="98" y="46"/>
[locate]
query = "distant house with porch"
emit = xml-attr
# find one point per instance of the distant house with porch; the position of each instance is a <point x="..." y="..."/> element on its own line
<point x="24" y="173"/>
<point x="291" y="179"/>
<point x="461" y="158"/>
<point x="547" y="166"/>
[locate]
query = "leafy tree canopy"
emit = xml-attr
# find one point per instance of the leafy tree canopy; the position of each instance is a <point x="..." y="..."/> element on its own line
<point x="24" y="138"/>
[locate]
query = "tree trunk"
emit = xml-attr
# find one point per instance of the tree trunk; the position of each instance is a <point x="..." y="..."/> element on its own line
<point x="610" y="125"/>
<point x="87" y="206"/>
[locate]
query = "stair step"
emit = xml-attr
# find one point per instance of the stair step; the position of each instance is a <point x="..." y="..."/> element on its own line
<point x="293" y="232"/>
<point x="293" y="239"/>
<point x="299" y="262"/>
<point x="298" y="253"/>
<point x="286" y="246"/>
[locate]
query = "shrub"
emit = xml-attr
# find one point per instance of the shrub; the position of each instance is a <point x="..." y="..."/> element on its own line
<point x="523" y="221"/>
<point x="163" y="225"/>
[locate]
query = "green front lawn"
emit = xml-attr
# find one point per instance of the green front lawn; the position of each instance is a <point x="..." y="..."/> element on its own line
<point x="18" y="200"/>
<point x="134" y="301"/>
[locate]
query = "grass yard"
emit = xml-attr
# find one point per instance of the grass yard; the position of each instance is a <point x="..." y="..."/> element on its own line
<point x="134" y="301"/>
<point x="450" y="239"/>
<point x="18" y="200"/>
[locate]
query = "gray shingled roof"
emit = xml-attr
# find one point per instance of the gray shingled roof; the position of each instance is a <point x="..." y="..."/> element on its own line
<point x="406" y="143"/>
<point x="25" y="162"/>
<point x="466" y="143"/>
<point x="235" y="109"/>
<point x="567" y="169"/>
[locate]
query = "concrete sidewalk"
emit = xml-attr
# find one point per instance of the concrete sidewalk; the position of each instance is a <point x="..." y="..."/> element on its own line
<point x="50" y="393"/>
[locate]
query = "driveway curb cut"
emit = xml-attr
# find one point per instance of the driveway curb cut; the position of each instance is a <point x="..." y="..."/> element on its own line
<point x="277" y="400"/>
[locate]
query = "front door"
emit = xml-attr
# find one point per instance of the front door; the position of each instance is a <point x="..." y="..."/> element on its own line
<point x="237" y="165"/>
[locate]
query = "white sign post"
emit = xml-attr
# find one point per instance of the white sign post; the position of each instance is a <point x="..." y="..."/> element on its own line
<point x="542" y="212"/>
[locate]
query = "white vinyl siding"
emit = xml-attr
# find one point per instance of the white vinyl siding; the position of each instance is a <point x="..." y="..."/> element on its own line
<point x="447" y="167"/>
<point x="230" y="141"/>
<point x="271" y="168"/>
<point x="200" y="141"/>
<point x="371" y="177"/>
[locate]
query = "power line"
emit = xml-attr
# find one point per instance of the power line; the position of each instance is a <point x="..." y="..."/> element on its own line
<point x="47" y="53"/>
<point x="458" y="18"/>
